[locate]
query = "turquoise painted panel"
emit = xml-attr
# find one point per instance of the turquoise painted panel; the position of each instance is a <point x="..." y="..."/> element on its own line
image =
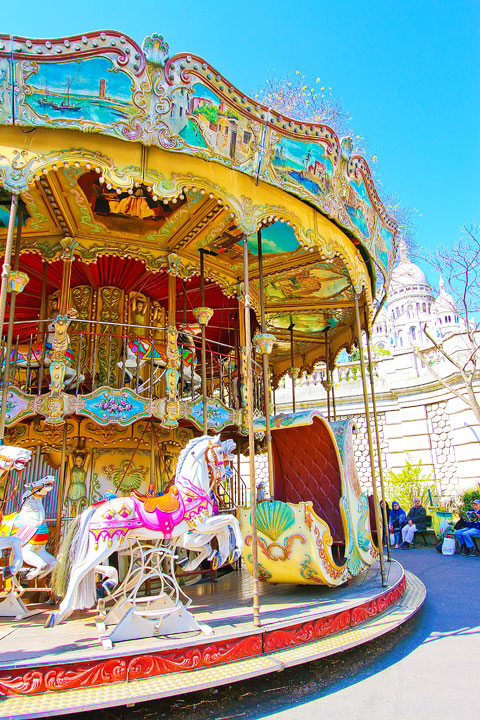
<point x="218" y="416"/>
<point x="113" y="406"/>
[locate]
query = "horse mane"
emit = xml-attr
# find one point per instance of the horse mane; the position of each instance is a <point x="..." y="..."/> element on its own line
<point x="185" y="452"/>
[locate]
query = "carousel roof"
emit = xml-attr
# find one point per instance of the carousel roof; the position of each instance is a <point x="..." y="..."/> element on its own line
<point x="148" y="159"/>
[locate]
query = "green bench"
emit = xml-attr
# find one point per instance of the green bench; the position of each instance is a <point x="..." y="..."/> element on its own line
<point x="429" y="531"/>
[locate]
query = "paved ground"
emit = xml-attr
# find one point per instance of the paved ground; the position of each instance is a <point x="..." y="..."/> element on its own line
<point x="427" y="669"/>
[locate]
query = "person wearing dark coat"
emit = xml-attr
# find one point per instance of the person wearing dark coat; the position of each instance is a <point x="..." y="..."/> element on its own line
<point x="416" y="520"/>
<point x="471" y="528"/>
<point x="395" y="522"/>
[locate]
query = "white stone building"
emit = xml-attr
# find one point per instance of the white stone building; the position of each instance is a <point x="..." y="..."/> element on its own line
<point x="419" y="418"/>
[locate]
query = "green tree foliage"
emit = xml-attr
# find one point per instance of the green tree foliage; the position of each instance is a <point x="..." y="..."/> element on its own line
<point x="209" y="113"/>
<point x="465" y="501"/>
<point x="409" y="483"/>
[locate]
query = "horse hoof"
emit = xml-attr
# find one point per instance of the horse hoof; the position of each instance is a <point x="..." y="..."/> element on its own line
<point x="108" y="586"/>
<point x="216" y="561"/>
<point x="51" y="620"/>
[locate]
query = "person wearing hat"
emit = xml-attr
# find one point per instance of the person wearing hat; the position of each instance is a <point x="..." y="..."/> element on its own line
<point x="471" y="529"/>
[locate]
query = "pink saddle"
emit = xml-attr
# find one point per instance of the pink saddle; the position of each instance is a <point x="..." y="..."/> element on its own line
<point x="159" y="516"/>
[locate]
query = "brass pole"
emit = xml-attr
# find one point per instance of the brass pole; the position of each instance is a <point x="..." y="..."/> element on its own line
<point x="4" y="289"/>
<point x="266" y="376"/>
<point x="65" y="290"/>
<point x="333" y="399"/>
<point x="152" y="455"/>
<point x="370" y="443"/>
<point x="327" y="363"/>
<point x="61" y="483"/>
<point x="43" y="301"/>
<point x="251" y="437"/>
<point x="292" y="362"/>
<point x="11" y="319"/>
<point x="377" y="436"/>
<point x="204" y="347"/>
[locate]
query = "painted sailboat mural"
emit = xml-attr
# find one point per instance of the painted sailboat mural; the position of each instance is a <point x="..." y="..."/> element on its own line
<point x="91" y="89"/>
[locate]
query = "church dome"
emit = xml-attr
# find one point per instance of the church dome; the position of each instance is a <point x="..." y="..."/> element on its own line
<point x="444" y="301"/>
<point x="406" y="273"/>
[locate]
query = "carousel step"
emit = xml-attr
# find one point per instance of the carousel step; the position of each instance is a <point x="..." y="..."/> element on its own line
<point x="128" y="693"/>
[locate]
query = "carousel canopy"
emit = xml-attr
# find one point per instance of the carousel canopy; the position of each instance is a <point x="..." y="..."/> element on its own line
<point x="144" y="160"/>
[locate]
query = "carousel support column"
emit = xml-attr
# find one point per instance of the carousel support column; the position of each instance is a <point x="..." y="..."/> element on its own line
<point x="241" y="349"/>
<point x="327" y="384"/>
<point x="17" y="282"/>
<point x="202" y="315"/>
<point x="61" y="485"/>
<point x="55" y="401"/>
<point x="6" y="268"/>
<point x="264" y="342"/>
<point x="333" y="393"/>
<point x="184" y="320"/>
<point x="43" y="303"/>
<point x="292" y="363"/>
<point x="174" y="355"/>
<point x="377" y="437"/>
<point x="251" y="436"/>
<point x="172" y="406"/>
<point x="378" y="523"/>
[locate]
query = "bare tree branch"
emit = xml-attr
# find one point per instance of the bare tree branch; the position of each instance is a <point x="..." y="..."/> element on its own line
<point x="459" y="267"/>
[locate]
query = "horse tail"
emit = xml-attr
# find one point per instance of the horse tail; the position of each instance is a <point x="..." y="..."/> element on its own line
<point x="72" y="550"/>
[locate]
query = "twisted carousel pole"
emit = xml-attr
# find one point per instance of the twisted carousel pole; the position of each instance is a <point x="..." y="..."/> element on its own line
<point x="202" y="315"/>
<point x="292" y="363"/>
<point x="251" y="435"/>
<point x="17" y="282"/>
<point x="4" y="290"/>
<point x="264" y="342"/>
<point x="376" y="508"/>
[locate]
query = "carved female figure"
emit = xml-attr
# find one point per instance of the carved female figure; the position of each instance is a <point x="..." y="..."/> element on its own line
<point x="76" y="496"/>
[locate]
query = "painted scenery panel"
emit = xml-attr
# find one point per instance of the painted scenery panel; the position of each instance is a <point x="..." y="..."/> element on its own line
<point x="203" y="120"/>
<point x="385" y="246"/>
<point x="303" y="163"/>
<point x="135" y="211"/>
<point x="87" y="90"/>
<point x="318" y="281"/>
<point x="359" y="208"/>
<point x="304" y="322"/>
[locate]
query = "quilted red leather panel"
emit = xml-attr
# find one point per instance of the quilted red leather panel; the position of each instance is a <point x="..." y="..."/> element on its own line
<point x="306" y="468"/>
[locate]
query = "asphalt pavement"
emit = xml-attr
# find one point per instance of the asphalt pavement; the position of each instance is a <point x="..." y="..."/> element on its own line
<point x="426" y="669"/>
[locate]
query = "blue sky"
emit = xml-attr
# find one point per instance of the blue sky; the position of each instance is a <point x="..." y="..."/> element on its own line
<point x="407" y="71"/>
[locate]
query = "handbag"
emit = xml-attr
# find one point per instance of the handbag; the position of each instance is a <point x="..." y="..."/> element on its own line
<point x="393" y="539"/>
<point x="448" y="545"/>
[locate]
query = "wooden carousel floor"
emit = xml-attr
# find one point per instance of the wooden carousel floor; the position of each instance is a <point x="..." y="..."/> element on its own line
<point x="225" y="606"/>
<point x="48" y="672"/>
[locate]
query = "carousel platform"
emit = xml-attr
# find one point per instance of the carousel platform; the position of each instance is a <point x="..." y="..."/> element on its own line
<point x="46" y="672"/>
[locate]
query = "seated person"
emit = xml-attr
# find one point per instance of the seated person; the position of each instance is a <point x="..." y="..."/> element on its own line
<point x="471" y="529"/>
<point x="396" y="521"/>
<point x="416" y="520"/>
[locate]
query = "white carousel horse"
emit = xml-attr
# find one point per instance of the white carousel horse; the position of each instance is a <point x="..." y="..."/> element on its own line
<point x="12" y="458"/>
<point x="139" y="352"/>
<point x="29" y="528"/>
<point x="40" y="355"/>
<point x="103" y="528"/>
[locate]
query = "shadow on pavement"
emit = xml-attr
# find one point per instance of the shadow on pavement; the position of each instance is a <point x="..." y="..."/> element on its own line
<point x="452" y="607"/>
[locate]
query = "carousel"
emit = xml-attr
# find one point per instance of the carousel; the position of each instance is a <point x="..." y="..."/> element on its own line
<point x="172" y="250"/>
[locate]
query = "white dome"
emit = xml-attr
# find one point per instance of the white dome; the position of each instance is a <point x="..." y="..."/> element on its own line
<point x="444" y="302"/>
<point x="406" y="273"/>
